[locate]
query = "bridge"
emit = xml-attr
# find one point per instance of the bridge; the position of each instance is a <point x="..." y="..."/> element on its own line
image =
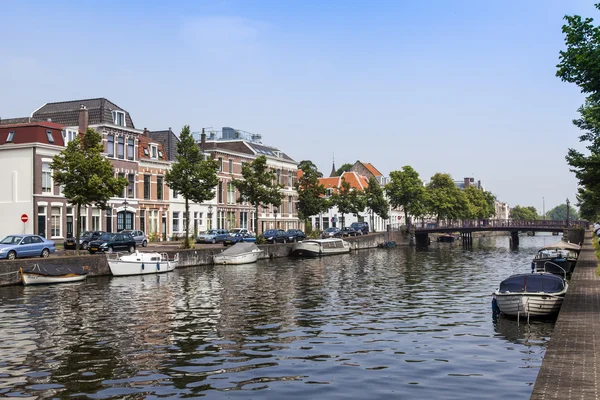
<point x="467" y="227"/>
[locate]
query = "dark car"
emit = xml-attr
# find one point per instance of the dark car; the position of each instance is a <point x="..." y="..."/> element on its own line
<point x="361" y="226"/>
<point x="239" y="235"/>
<point x="275" y="236"/>
<point x="295" y="235"/>
<point x="350" y="231"/>
<point x="110" y="242"/>
<point x="84" y="240"/>
<point x="331" y="232"/>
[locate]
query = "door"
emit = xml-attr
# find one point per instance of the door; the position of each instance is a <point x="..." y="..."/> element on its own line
<point x="69" y="226"/>
<point x="108" y="221"/>
<point x="164" y="228"/>
<point x="41" y="225"/>
<point x="26" y="247"/>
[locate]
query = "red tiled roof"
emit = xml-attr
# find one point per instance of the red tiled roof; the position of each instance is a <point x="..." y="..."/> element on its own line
<point x="372" y="169"/>
<point x="144" y="143"/>
<point x="45" y="124"/>
<point x="355" y="180"/>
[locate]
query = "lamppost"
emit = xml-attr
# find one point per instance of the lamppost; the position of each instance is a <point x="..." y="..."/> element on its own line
<point x="125" y="203"/>
<point x="210" y="208"/>
<point x="275" y="213"/>
<point x="568" y="211"/>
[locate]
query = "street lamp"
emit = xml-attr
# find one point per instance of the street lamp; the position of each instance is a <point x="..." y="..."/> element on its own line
<point x="210" y="208"/>
<point x="568" y="211"/>
<point x="275" y="213"/>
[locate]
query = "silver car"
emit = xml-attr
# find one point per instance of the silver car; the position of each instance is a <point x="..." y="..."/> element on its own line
<point x="139" y="236"/>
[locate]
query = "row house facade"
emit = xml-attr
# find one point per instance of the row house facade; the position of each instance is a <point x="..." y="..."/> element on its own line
<point x="232" y="150"/>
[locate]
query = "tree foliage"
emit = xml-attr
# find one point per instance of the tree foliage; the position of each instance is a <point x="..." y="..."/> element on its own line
<point x="307" y="164"/>
<point x="311" y="193"/>
<point x="524" y="213"/>
<point x="559" y="213"/>
<point x="406" y="190"/>
<point x="87" y="177"/>
<point x="344" y="168"/>
<point x="191" y="176"/>
<point x="376" y="201"/>
<point x="258" y="186"/>
<point x="445" y="200"/>
<point x="479" y="206"/>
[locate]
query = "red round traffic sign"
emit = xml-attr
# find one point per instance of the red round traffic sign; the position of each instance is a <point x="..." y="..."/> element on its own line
<point x="24" y="218"/>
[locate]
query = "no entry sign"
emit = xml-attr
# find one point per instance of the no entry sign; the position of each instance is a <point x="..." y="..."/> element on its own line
<point x="24" y="218"/>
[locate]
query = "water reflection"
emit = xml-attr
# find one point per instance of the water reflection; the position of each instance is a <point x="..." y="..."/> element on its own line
<point x="365" y="325"/>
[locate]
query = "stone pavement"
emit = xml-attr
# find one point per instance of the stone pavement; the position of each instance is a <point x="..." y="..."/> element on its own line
<point x="571" y="366"/>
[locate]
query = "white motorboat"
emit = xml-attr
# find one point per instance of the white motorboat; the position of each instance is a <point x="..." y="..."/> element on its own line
<point x="39" y="274"/>
<point x="533" y="294"/>
<point x="141" y="263"/>
<point x="239" y="253"/>
<point x="320" y="247"/>
<point x="558" y="258"/>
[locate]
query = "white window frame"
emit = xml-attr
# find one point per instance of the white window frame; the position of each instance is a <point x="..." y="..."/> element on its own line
<point x="49" y="136"/>
<point x="11" y="137"/>
<point x="53" y="220"/>
<point x="116" y="114"/>
<point x="153" y="151"/>
<point x="47" y="176"/>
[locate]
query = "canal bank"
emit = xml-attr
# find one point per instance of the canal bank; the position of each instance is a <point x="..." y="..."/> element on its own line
<point x="98" y="266"/>
<point x="570" y="369"/>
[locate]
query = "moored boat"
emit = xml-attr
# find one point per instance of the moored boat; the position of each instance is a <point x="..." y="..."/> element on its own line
<point x="239" y="253"/>
<point x="532" y="294"/>
<point x="40" y="274"/>
<point x="320" y="247"/>
<point x="558" y="258"/>
<point x="141" y="263"/>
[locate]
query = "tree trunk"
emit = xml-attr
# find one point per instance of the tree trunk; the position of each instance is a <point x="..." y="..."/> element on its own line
<point x="256" y="220"/>
<point x="78" y="229"/>
<point x="186" y="241"/>
<point x="406" y="221"/>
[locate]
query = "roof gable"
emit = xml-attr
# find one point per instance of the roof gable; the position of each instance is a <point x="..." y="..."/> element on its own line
<point x="67" y="112"/>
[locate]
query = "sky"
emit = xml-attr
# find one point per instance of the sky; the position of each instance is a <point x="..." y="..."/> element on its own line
<point x="463" y="87"/>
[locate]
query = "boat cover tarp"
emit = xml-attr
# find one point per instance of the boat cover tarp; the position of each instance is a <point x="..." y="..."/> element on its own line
<point x="55" y="270"/>
<point x="240" y="248"/>
<point x="562" y="245"/>
<point x="532" y="283"/>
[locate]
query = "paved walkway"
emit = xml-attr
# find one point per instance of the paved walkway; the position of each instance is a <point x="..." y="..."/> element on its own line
<point x="571" y="366"/>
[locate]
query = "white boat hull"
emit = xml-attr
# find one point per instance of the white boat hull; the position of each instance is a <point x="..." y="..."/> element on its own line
<point x="141" y="263"/>
<point x="245" y="258"/>
<point x="36" y="279"/>
<point x="320" y="247"/>
<point x="523" y="304"/>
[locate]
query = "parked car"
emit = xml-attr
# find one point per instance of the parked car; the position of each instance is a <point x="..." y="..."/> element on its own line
<point x="295" y="235"/>
<point x="110" y="242"/>
<point x="361" y="226"/>
<point x="84" y="240"/>
<point x="14" y="246"/>
<point x="275" y="236"/>
<point x="234" y="238"/>
<point x="139" y="236"/>
<point x="331" y="232"/>
<point x="213" y="236"/>
<point x="350" y="231"/>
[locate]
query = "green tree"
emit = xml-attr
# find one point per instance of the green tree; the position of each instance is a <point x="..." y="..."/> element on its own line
<point x="86" y="176"/>
<point x="258" y="186"/>
<point x="342" y="199"/>
<point x="307" y="164"/>
<point x="406" y="190"/>
<point x="342" y="169"/>
<point x="559" y="213"/>
<point x="375" y="201"/>
<point x="589" y="203"/>
<point x="491" y="203"/>
<point x="311" y="193"/>
<point x="445" y="199"/>
<point x="478" y="203"/>
<point x="191" y="176"/>
<point x="524" y="213"/>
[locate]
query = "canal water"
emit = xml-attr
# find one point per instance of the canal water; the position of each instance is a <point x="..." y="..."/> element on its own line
<point x="375" y="324"/>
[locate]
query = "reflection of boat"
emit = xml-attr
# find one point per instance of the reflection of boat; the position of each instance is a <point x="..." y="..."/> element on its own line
<point x="557" y="258"/>
<point x="536" y="333"/>
<point x="36" y="274"/>
<point x="239" y="253"/>
<point x="534" y="294"/>
<point x="446" y="238"/>
<point x="141" y="263"/>
<point x="320" y="247"/>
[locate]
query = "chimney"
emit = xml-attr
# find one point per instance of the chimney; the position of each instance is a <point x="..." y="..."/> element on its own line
<point x="467" y="182"/>
<point x="146" y="132"/>
<point x="202" y="139"/>
<point x="83" y="119"/>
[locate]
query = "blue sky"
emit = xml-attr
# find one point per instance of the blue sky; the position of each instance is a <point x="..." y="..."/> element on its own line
<point x="462" y="87"/>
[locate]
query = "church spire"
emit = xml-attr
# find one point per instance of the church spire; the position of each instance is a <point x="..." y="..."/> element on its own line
<point x="333" y="170"/>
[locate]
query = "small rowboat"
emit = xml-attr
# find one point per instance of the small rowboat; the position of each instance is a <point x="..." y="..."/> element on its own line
<point x="40" y="274"/>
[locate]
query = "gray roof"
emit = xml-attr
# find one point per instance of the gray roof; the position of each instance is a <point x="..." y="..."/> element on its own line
<point x="269" y="151"/>
<point x="67" y="112"/>
<point x="169" y="141"/>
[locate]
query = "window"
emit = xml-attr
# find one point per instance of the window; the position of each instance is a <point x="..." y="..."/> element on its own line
<point x="278" y="176"/>
<point x="50" y="137"/>
<point x="55" y="221"/>
<point x="230" y="220"/>
<point x="290" y="178"/>
<point x="11" y="136"/>
<point x="146" y="152"/>
<point x="220" y="192"/>
<point x="46" y="178"/>
<point x="230" y="166"/>
<point x="95" y="219"/>
<point x="221" y="164"/>
<point x="68" y="135"/>
<point x="130" y="186"/>
<point x="230" y="193"/>
<point x="290" y="205"/>
<point x="160" y="154"/>
<point x="153" y="150"/>
<point x="143" y="220"/>
<point x="159" y="187"/>
<point x="244" y="219"/>
<point x="176" y="221"/>
<point x="130" y="143"/>
<point x="119" y="118"/>
<point x="147" y="187"/>
<point x="199" y="218"/>
<point x="110" y="150"/>
<point x="175" y="194"/>
<point x="121" y="147"/>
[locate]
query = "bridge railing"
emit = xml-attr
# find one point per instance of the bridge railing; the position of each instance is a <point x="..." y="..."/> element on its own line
<point x="493" y="223"/>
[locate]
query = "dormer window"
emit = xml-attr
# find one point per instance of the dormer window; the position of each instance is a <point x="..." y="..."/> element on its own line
<point x="50" y="137"/>
<point x="160" y="154"/>
<point x="146" y="152"/>
<point x="11" y="136"/>
<point x="153" y="150"/>
<point x="119" y="118"/>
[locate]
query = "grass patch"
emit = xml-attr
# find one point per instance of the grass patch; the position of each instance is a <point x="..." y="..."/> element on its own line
<point x="596" y="244"/>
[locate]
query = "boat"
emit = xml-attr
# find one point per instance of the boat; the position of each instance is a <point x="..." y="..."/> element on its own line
<point x="137" y="263"/>
<point x="39" y="274"/>
<point x="446" y="238"/>
<point x="320" y="247"/>
<point x="557" y="258"/>
<point x="531" y="294"/>
<point x="239" y="253"/>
